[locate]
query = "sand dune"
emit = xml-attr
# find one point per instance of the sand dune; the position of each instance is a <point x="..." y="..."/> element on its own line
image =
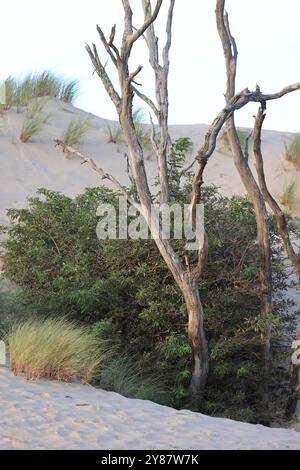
<point x="27" y="167"/>
<point x="55" y="415"/>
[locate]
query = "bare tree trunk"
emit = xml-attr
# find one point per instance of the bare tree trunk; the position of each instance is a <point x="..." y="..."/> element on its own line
<point x="253" y="190"/>
<point x="187" y="281"/>
<point x="196" y="335"/>
<point x="274" y="206"/>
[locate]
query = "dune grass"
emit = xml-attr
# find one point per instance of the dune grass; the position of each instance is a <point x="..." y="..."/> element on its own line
<point x="37" y="85"/>
<point x="53" y="348"/>
<point x="124" y="376"/>
<point x="292" y="152"/>
<point x="76" y="129"/>
<point x="34" y="120"/>
<point x="289" y="198"/>
<point x="114" y="134"/>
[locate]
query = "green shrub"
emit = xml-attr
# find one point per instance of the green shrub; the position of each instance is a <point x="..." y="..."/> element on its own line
<point x="74" y="132"/>
<point x="125" y="292"/>
<point x="53" y="348"/>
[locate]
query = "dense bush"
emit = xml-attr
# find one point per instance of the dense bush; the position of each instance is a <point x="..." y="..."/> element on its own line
<point x="123" y="290"/>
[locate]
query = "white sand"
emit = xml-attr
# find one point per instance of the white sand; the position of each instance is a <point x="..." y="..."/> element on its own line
<point x="27" y="167"/>
<point x="55" y="415"/>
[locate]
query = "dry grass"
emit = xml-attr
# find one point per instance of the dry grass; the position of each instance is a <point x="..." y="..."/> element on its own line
<point x="34" y="120"/>
<point x="289" y="198"/>
<point x="53" y="348"/>
<point x="114" y="134"/>
<point x="292" y="152"/>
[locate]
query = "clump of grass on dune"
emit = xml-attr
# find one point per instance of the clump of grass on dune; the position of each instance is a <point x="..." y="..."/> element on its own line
<point x="74" y="132"/>
<point x="43" y="84"/>
<point x="292" y="152"/>
<point x="114" y="134"/>
<point x="123" y="375"/>
<point x="55" y="349"/>
<point x="34" y="120"/>
<point x="289" y="198"/>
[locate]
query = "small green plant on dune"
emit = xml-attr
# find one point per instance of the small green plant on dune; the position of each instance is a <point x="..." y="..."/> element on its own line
<point x="289" y="198"/>
<point x="114" y="134"/>
<point x="76" y="129"/>
<point x="292" y="152"/>
<point x="53" y="348"/>
<point x="34" y="120"/>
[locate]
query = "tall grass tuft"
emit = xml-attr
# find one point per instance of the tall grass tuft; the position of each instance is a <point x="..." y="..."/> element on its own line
<point x="124" y="376"/>
<point x="74" y="132"/>
<point x="292" y="152"/>
<point x="54" y="349"/>
<point x="114" y="134"/>
<point x="289" y="198"/>
<point x="34" y="120"/>
<point x="43" y="84"/>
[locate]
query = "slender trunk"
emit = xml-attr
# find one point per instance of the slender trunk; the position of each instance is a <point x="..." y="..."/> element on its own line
<point x="274" y="206"/>
<point x="263" y="239"/>
<point x="196" y="335"/>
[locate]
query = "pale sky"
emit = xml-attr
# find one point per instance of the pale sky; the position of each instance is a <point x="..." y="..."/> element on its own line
<point x="36" y="35"/>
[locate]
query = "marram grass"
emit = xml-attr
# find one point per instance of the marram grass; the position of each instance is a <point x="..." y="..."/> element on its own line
<point x="54" y="349"/>
<point x="74" y="132"/>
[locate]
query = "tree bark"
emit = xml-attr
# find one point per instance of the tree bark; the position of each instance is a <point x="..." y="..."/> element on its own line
<point x="252" y="188"/>
<point x="196" y="335"/>
<point x="274" y="206"/>
<point x="187" y="281"/>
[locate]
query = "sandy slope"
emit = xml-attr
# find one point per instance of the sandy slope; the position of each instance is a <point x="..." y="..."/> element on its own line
<point x="54" y="415"/>
<point x="26" y="167"/>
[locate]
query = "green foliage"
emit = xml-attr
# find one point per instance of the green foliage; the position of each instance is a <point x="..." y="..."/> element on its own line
<point x="37" y="85"/>
<point x="292" y="152"/>
<point x="53" y="348"/>
<point x="76" y="129"/>
<point x="125" y="292"/>
<point x="176" y="166"/>
<point x="125" y="376"/>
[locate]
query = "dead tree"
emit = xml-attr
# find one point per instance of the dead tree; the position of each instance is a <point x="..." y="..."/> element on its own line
<point x="186" y="279"/>
<point x="251" y="186"/>
<point x="234" y="102"/>
<point x="272" y="203"/>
